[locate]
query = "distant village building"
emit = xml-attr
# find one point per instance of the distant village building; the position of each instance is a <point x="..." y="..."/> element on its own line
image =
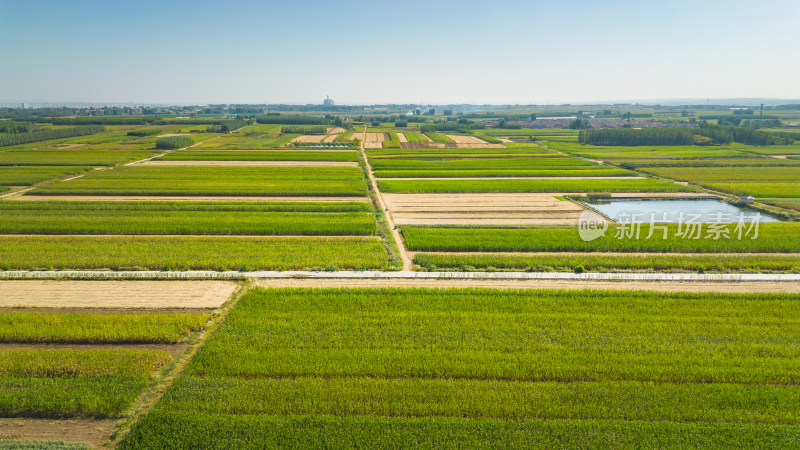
<point x="328" y="101"/>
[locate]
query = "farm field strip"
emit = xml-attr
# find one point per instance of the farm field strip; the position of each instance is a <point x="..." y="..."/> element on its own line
<point x="174" y="219"/>
<point x="229" y="163"/>
<point x="236" y="181"/>
<point x="611" y="262"/>
<point x="115" y="294"/>
<point x="554" y="177"/>
<point x="386" y="353"/>
<point x="163" y="198"/>
<point x="30" y="175"/>
<point x="777" y="237"/>
<point x="530" y="186"/>
<point x="191" y="252"/>
<point x="260" y="155"/>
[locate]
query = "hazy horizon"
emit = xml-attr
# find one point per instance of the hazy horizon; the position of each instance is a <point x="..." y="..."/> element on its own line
<point x="362" y="53"/>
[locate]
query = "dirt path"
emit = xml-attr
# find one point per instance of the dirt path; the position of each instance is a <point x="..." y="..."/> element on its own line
<point x="156" y="198"/>
<point x="91" y="431"/>
<point x="254" y="163"/>
<point x="115" y="294"/>
<point x="728" y="287"/>
<point x="407" y="264"/>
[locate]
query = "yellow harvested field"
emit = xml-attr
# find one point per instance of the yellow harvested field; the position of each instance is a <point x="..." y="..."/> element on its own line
<point x="481" y="209"/>
<point x="465" y="139"/>
<point x="115" y="294"/>
<point x="309" y="139"/>
<point x="94" y="432"/>
<point x="374" y="140"/>
<point x="401" y="137"/>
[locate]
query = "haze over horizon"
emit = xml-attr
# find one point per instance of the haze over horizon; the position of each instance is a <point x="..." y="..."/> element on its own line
<point x="506" y="52"/>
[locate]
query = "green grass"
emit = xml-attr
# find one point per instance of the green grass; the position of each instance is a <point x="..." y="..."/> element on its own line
<point x="106" y="328"/>
<point x="564" y="186"/>
<point x="70" y="157"/>
<point x="62" y="383"/>
<point x="716" y="162"/>
<point x="414" y="136"/>
<point x="81" y="362"/>
<point x="29" y="175"/>
<point x="645" y="152"/>
<point x="190" y="252"/>
<point x="788" y="203"/>
<point x="442" y="153"/>
<point x="758" y="190"/>
<point x="176" y="430"/>
<point x="555" y="173"/>
<point x="317" y="367"/>
<point x="507" y="163"/>
<point x="439" y="137"/>
<point x="730" y="174"/>
<point x="610" y="263"/>
<point x="179" y="218"/>
<point x="776" y="237"/>
<point x="246" y="181"/>
<point x="256" y="155"/>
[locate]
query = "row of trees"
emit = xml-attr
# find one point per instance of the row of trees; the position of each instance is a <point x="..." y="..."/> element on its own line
<point x="48" y="134"/>
<point x="148" y="132"/>
<point x="15" y="127"/>
<point x="704" y="135"/>
<point x="293" y="119"/>
<point x="631" y="137"/>
<point x="172" y="142"/>
<point x="230" y="125"/>
<point x="298" y="129"/>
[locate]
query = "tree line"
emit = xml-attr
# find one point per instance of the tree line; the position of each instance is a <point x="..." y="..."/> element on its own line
<point x="174" y="142"/>
<point x="704" y="135"/>
<point x="49" y="134"/>
<point x="298" y="129"/>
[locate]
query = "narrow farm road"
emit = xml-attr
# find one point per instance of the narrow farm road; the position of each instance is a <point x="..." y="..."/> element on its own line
<point x="401" y="246"/>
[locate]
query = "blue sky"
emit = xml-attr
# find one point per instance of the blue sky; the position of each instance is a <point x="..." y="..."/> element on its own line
<point x="498" y="51"/>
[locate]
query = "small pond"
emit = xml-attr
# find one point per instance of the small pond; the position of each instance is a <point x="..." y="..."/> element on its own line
<point x="711" y="211"/>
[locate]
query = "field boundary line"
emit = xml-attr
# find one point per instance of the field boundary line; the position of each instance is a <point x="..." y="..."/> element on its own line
<point x="153" y="393"/>
<point x="401" y="246"/>
<point x="343" y="275"/>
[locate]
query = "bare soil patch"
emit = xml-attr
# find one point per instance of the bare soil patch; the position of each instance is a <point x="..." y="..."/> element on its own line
<point x="254" y="163"/>
<point x="115" y="294"/>
<point x="481" y="209"/>
<point x="465" y="139"/>
<point x="374" y="140"/>
<point x="91" y="431"/>
<point x="659" y="286"/>
<point x="401" y="137"/>
<point x="309" y="139"/>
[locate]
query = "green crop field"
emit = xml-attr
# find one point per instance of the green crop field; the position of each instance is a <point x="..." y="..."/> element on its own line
<point x="461" y="153"/>
<point x="665" y="152"/>
<point x="28" y="175"/>
<point x="70" y="157"/>
<point x="438" y="137"/>
<point x="774" y="237"/>
<point x="225" y="218"/>
<point x="60" y="383"/>
<point x="259" y="155"/>
<point x="601" y="171"/>
<point x="87" y="328"/>
<point x="190" y="252"/>
<point x="414" y="136"/>
<point x="555" y="262"/>
<point x="481" y="163"/>
<point x="488" y="367"/>
<point x="192" y="180"/>
<point x="555" y="185"/>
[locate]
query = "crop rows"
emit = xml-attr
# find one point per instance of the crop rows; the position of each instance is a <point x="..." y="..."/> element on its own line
<point x="775" y="237"/>
<point x="418" y="366"/>
<point x="555" y="185"/>
<point x="28" y="175"/>
<point x="610" y="263"/>
<point x="181" y="218"/>
<point x="216" y="181"/>
<point x="190" y="252"/>
<point x="256" y="155"/>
